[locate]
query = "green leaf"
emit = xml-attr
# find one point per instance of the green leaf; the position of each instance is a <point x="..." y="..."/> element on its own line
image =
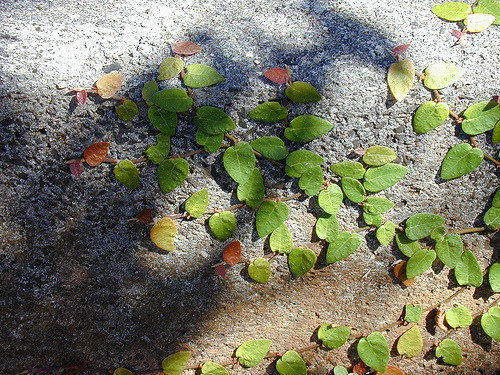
<point x="467" y="270"/>
<point x="349" y="168"/>
<point x="449" y="249"/>
<point x="269" y="112"/>
<point x="452" y="11"/>
<point x="461" y="160"/>
<point x="172" y="100"/>
<point x="291" y="363"/>
<point x="419" y="262"/>
<point x="299" y="161"/>
<point x="159" y="152"/>
<point x="481" y="117"/>
<point x="342" y="246"/>
<point x="252" y="191"/>
<point x="421" y="225"/>
<point x="490" y="321"/>
<point x="340" y="370"/>
<point x="172" y="173"/>
<point x="281" y="240"/>
<point x="200" y="75"/>
<point x="327" y="227"/>
<point x="495" y="136"/>
<point x="197" y="204"/>
<point x="176" y="363"/>
<point x="210" y="143"/>
<point x="492" y="217"/>
<point x="127" y="174"/>
<point x="252" y="352"/>
<point x="377" y="205"/>
<point x="353" y="189"/>
<point x="305" y="128"/>
<point x="212" y="368"/>
<point x="489" y="7"/>
<point x="164" y="121"/>
<point x="494" y="277"/>
<point x="405" y="245"/>
<point x="441" y="74"/>
<point x="169" y="68"/>
<point x="301" y="260"/>
<point x="149" y="89"/>
<point x="379" y="155"/>
<point x="333" y="337"/>
<point x="438" y="234"/>
<point x="380" y="178"/>
<point x="400" y="78"/>
<point x="496" y="199"/>
<point x="222" y="225"/>
<point x="239" y="161"/>
<point x="213" y="121"/>
<point x="429" y="116"/>
<point x="410" y="343"/>
<point x="331" y="199"/>
<point x="475" y="23"/>
<point x="260" y="270"/>
<point x="127" y="110"/>
<point x="163" y="234"/>
<point x="413" y="313"/>
<point x="311" y="181"/>
<point x="303" y="92"/>
<point x="386" y="233"/>
<point x="375" y="220"/>
<point x="450" y="351"/>
<point x="270" y="216"/>
<point x="270" y="147"/>
<point x="458" y="317"/>
<point x="374" y="351"/>
<point x="122" y="371"/>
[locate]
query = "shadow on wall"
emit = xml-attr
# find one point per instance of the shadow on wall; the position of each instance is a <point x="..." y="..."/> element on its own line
<point x="73" y="286"/>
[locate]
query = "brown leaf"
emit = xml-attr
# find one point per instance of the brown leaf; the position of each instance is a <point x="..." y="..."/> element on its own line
<point x="440" y="315"/>
<point x="400" y="273"/>
<point x="232" y="253"/>
<point x="74" y="367"/>
<point x="391" y="370"/>
<point x="278" y="75"/>
<point x="186" y="48"/>
<point x="109" y="84"/>
<point x="360" y="368"/>
<point x="96" y="153"/>
<point x="145" y="216"/>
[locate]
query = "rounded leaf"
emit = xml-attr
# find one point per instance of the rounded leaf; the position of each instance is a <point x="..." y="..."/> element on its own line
<point x="475" y="23"/>
<point x="311" y="181"/>
<point x="122" y="371"/>
<point x="305" y="128"/>
<point x="252" y="352"/>
<point x="269" y="112"/>
<point x="429" y="116"/>
<point x="108" y="85"/>
<point x="201" y="75"/>
<point x="452" y="11"/>
<point x="353" y="189"/>
<point x="96" y="153"/>
<point x="210" y="143"/>
<point x="299" y="161"/>
<point x="492" y="217"/>
<point x="127" y="110"/>
<point x="481" y="117"/>
<point x="331" y="199"/>
<point x="270" y="147"/>
<point x="495" y="135"/>
<point x="400" y="78"/>
<point x="461" y="160"/>
<point x="383" y="177"/>
<point x="413" y="313"/>
<point x="449" y="249"/>
<point x="212" y="368"/>
<point x="349" y="168"/>
<point x="379" y="155"/>
<point x="333" y="337"/>
<point x="488" y="7"/>
<point x="450" y="351"/>
<point x="222" y="225"/>
<point x="385" y="233"/>
<point x="468" y="271"/>
<point x="149" y="89"/>
<point x="176" y="363"/>
<point x="405" y="245"/>
<point x="494" y="277"/>
<point x="342" y="246"/>
<point x="252" y="191"/>
<point x="374" y="351"/>
<point x="197" y="204"/>
<point x="260" y="270"/>
<point x="400" y="273"/>
<point x="239" y="162"/>
<point x="232" y="253"/>
<point x="303" y="92"/>
<point x="375" y="220"/>
<point x="327" y="227"/>
<point x="421" y="225"/>
<point x="172" y="173"/>
<point x="169" y="68"/>
<point x="291" y="363"/>
<point x="159" y="152"/>
<point x="126" y="173"/>
<point x="213" y="121"/>
<point x="278" y="75"/>
<point x="163" y="234"/>
<point x="377" y="205"/>
<point x="164" y="121"/>
<point x="186" y="48"/>
<point x="301" y="260"/>
<point x="410" y="343"/>
<point x="438" y="234"/>
<point x="458" y="316"/>
<point x="270" y="216"/>
<point x="419" y="262"/>
<point x="490" y="321"/>
<point x="281" y="240"/>
<point x="172" y="100"/>
<point x="441" y="74"/>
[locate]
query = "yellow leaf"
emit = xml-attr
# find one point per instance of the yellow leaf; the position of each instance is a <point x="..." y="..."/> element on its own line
<point x="122" y="371"/>
<point x="108" y="85"/>
<point x="477" y="22"/>
<point x="400" y="78"/>
<point x="163" y="234"/>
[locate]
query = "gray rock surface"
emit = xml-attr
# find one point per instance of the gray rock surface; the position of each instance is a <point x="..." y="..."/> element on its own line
<point x="78" y="283"/>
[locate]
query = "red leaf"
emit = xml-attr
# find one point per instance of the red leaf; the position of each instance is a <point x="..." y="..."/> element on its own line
<point x="457" y="34"/>
<point x="76" y="168"/>
<point x="145" y="216"/>
<point x="81" y="96"/>
<point x="74" y="367"/>
<point x="498" y="99"/>
<point x="360" y="151"/>
<point x="360" y="368"/>
<point x="232" y="253"/>
<point x="221" y="270"/>
<point x="96" y="153"/>
<point x="400" y="50"/>
<point x="278" y="75"/>
<point x="186" y="48"/>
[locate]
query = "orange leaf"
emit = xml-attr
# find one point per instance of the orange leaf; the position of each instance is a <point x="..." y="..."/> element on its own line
<point x="391" y="370"/>
<point x="109" y="84"/>
<point x="400" y="273"/>
<point x="278" y="75"/>
<point x="360" y="368"/>
<point x="186" y="48"/>
<point x="96" y="153"/>
<point x="232" y="253"/>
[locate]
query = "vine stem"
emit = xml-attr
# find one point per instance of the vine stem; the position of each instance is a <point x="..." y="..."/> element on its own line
<point x="471" y="230"/>
<point x="486" y="155"/>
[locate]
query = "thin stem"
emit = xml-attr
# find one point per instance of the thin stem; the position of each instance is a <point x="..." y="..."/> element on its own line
<point x="491" y="158"/>
<point x="471" y="230"/>
<point x="361" y="229"/>
<point x="457" y="118"/>
<point x="439" y="99"/>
